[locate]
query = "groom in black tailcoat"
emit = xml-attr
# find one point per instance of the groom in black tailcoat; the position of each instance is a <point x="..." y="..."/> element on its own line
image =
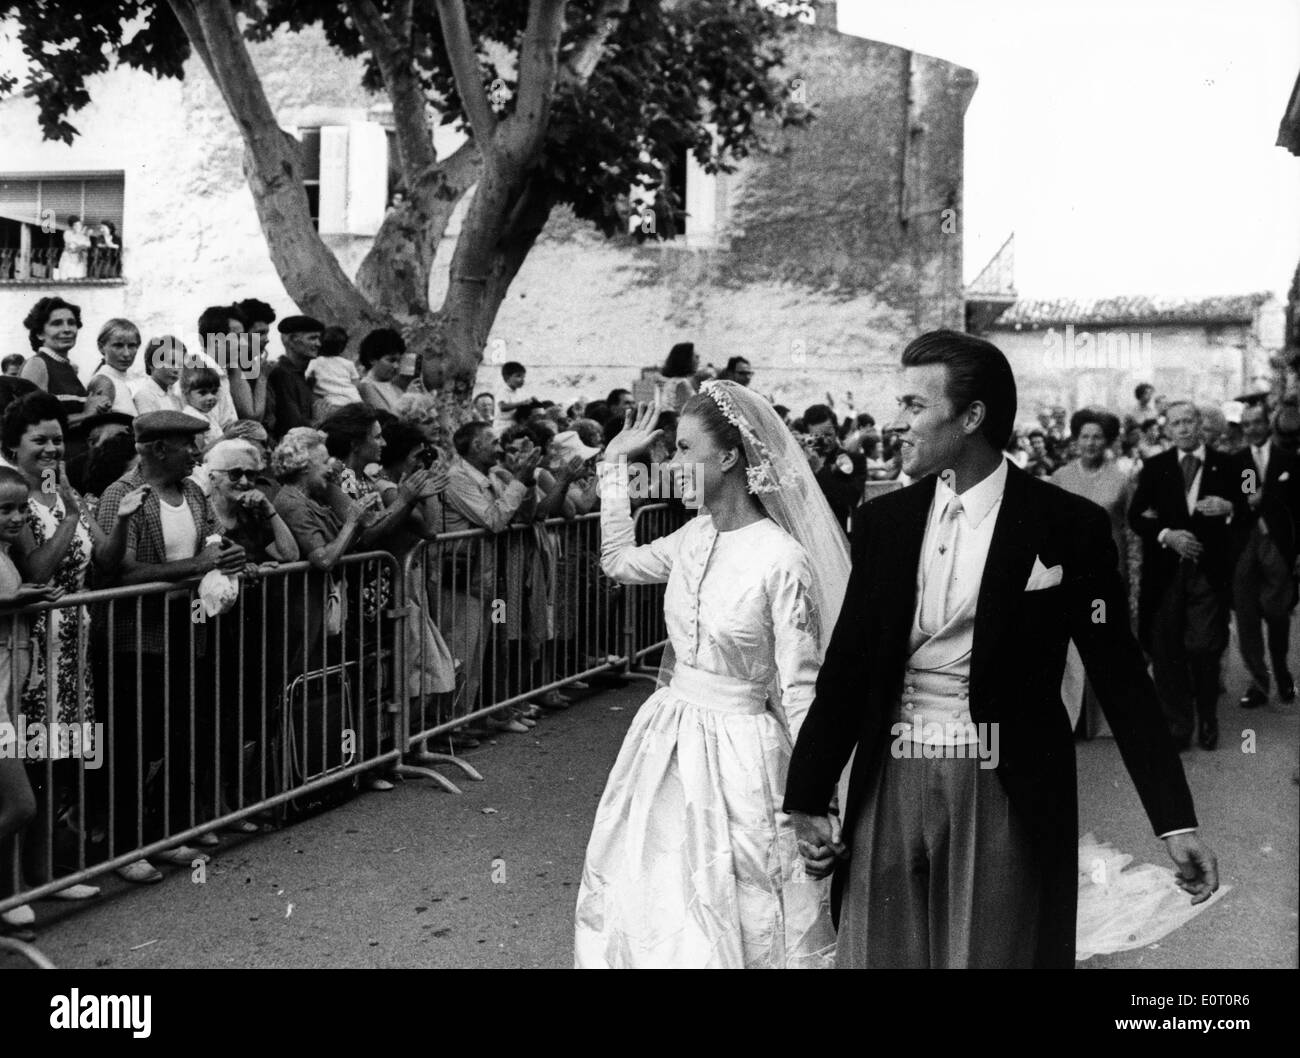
<point x="944" y="673"/>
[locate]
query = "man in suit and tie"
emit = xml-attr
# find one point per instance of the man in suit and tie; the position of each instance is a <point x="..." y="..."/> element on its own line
<point x="1182" y="508"/>
<point x="944" y="674"/>
<point x="1263" y="589"/>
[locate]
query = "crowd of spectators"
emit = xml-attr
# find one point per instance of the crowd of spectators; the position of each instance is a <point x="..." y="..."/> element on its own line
<point x="171" y="463"/>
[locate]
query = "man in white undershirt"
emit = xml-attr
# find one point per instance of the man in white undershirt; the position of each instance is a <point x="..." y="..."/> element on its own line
<point x="166" y="541"/>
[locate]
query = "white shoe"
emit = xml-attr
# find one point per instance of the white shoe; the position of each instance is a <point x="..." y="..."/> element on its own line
<point x="76" y="892"/>
<point x="379" y="786"/>
<point x="22" y="915"/>
<point x="142" y="872"/>
<point x="182" y="856"/>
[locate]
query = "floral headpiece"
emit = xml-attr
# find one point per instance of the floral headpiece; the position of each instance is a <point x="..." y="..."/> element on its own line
<point x="763" y="477"/>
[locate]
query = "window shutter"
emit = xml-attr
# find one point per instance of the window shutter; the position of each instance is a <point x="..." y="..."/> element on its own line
<point x="104" y="200"/>
<point x="18" y="200"/>
<point x="367" y="177"/>
<point x="66" y="198"/>
<point x="333" y="179"/>
<point x="701" y="201"/>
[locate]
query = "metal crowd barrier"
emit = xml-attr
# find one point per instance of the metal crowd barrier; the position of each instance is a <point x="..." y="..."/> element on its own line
<point x="170" y="725"/>
<point x="521" y="612"/>
<point x="308" y="681"/>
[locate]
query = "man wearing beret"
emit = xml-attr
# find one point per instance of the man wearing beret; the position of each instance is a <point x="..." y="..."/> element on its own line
<point x="165" y="542"/>
<point x="287" y="380"/>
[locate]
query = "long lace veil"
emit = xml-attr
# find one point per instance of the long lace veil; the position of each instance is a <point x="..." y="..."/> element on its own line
<point x="782" y="481"/>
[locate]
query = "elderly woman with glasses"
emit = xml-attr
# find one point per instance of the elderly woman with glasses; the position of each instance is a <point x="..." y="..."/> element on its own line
<point x="250" y="637"/>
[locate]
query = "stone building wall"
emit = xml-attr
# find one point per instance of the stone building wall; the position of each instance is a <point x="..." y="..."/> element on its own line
<point x="834" y="245"/>
<point x="1208" y="363"/>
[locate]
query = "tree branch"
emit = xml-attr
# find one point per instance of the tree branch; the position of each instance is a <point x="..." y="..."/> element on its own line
<point x="403" y="20"/>
<point x="538" y="62"/>
<point x="586" y="56"/>
<point x="465" y="69"/>
<point x="410" y="119"/>
<point x="272" y="164"/>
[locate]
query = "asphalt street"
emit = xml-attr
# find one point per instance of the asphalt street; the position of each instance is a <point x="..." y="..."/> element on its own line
<point x="421" y="878"/>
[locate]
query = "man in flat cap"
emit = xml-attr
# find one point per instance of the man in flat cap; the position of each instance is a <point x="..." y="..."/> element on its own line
<point x="165" y="541"/>
<point x="290" y="391"/>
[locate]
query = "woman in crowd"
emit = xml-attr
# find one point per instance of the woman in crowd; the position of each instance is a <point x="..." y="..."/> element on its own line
<point x="531" y="569"/>
<point x="430" y="668"/>
<point x="52" y="328"/>
<point x="380" y="355"/>
<point x="1096" y="478"/>
<point x="57" y="547"/>
<point x="251" y="633"/>
<point x="17" y="803"/>
<point x="119" y="342"/>
<point x="677" y="377"/>
<point x="326" y="524"/>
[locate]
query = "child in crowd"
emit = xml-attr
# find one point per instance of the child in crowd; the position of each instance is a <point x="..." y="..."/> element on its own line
<point x="17" y="803"/>
<point x="163" y="357"/>
<point x="12" y="365"/>
<point x="332" y="375"/>
<point x="200" y="388"/>
<point x="511" y="396"/>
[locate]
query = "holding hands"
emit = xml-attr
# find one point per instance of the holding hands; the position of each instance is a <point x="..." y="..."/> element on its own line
<point x="819" y="843"/>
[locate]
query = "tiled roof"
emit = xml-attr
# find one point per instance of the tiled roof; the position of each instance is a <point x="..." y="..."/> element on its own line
<point x="1060" y="311"/>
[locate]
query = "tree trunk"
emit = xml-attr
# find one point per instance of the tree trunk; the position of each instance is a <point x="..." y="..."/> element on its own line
<point x="395" y="273"/>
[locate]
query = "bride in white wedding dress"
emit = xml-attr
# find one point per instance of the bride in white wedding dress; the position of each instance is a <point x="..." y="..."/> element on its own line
<point x="691" y="862"/>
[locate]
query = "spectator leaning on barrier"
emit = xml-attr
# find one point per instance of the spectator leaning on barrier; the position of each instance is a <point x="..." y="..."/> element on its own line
<point x="166" y="541"/>
<point x="17" y="803"/>
<point x="243" y="514"/>
<point x="56" y="547"/>
<point x="478" y="498"/>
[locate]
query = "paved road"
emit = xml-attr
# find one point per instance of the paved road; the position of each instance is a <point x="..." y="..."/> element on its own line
<point x="417" y="877"/>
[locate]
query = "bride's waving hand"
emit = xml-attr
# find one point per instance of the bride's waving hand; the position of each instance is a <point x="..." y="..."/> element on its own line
<point x="637" y="435"/>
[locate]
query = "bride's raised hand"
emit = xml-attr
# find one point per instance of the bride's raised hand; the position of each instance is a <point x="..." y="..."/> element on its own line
<point x="637" y="435"/>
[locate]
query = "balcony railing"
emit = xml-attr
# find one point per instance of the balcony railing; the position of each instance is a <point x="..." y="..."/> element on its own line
<point x="51" y="264"/>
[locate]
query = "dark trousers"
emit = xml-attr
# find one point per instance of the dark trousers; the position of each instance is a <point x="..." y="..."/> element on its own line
<point x="161" y="733"/>
<point x="1189" y="634"/>
<point x="941" y="875"/>
<point x="1262" y="594"/>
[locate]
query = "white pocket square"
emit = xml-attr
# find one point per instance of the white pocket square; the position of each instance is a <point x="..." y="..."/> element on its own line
<point x="1284" y="476"/>
<point x="1041" y="577"/>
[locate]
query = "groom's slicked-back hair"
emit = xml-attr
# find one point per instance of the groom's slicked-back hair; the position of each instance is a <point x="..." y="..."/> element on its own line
<point x="976" y="371"/>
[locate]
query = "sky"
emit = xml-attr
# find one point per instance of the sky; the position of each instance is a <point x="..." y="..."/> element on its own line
<point x="1129" y="144"/>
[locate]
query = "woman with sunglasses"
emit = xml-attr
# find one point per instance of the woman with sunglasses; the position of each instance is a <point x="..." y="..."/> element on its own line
<point x="245" y="515"/>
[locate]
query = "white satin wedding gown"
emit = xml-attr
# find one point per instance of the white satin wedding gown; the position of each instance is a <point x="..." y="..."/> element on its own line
<point x="691" y="862"/>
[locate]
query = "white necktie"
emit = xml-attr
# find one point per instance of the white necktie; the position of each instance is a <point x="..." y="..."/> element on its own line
<point x="934" y="603"/>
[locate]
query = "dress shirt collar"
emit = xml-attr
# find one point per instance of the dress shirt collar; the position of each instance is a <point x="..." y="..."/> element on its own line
<point x="1198" y="452"/>
<point x="977" y="500"/>
<point x="1260" y="452"/>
